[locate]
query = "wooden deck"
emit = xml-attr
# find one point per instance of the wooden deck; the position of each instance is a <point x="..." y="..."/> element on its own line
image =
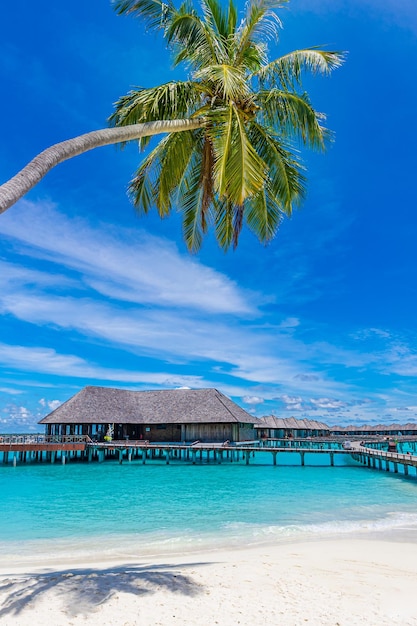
<point x="28" y="449"/>
<point x="375" y="459"/>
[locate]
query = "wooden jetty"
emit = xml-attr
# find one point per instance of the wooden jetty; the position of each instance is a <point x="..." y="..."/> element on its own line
<point x="22" y="449"/>
<point x="38" y="448"/>
<point x="383" y="459"/>
<point x="201" y="452"/>
<point x="27" y="449"/>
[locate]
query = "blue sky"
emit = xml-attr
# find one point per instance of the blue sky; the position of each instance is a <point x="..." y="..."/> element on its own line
<point x="321" y="323"/>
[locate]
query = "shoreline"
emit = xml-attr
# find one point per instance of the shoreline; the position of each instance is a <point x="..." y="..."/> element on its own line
<point x="344" y="581"/>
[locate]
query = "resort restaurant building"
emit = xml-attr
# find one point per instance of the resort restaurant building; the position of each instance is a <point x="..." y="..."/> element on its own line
<point x="272" y="427"/>
<point x="177" y="415"/>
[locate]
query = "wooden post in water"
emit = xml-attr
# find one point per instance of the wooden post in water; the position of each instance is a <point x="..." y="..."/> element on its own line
<point x="405" y="469"/>
<point x="247" y="456"/>
<point x="302" y="458"/>
<point x="332" y="459"/>
<point x="274" y="455"/>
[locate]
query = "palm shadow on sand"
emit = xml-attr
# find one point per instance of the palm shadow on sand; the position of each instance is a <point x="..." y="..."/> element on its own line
<point x="83" y="590"/>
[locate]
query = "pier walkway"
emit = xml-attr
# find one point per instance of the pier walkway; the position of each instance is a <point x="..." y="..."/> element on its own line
<point x="20" y="449"/>
<point x="27" y="449"/>
<point x="383" y="459"/>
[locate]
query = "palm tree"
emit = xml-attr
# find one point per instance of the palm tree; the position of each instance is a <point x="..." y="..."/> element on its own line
<point x="230" y="155"/>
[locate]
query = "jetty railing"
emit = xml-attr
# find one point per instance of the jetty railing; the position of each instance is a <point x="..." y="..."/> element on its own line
<point x="43" y="439"/>
<point x="373" y="458"/>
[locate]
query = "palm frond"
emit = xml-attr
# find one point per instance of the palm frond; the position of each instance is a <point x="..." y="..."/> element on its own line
<point x="160" y="175"/>
<point x="171" y="100"/>
<point x="223" y="222"/>
<point x="237" y="224"/>
<point x="231" y="19"/>
<point x="155" y="13"/>
<point x="293" y="115"/>
<point x="206" y="178"/>
<point x="143" y="188"/>
<point x="216" y="17"/>
<point x="228" y="82"/>
<point x="175" y="160"/>
<point x="194" y="224"/>
<point x="263" y="215"/>
<point x="286" y="71"/>
<point x="285" y="181"/>
<point x="261" y="24"/>
<point x="194" y="40"/>
<point x="239" y="172"/>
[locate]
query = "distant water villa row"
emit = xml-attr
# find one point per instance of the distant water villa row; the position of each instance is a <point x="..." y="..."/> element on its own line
<point x="185" y="415"/>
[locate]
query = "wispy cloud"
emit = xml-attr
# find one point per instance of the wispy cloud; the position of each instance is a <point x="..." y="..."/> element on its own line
<point x="127" y="265"/>
<point x="47" y="361"/>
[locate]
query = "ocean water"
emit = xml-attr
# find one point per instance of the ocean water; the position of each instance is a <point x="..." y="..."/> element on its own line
<point x="110" y="510"/>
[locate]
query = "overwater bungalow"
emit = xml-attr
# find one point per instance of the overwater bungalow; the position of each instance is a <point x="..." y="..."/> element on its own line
<point x="389" y="430"/>
<point x="287" y="428"/>
<point x="177" y="415"/>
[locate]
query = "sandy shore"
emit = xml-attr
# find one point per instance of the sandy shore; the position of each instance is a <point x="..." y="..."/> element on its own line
<point x="322" y="583"/>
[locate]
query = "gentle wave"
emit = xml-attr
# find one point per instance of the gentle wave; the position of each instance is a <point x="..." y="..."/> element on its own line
<point x="233" y="535"/>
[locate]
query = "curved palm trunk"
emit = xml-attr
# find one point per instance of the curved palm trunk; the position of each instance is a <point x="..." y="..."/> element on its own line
<point x="29" y="176"/>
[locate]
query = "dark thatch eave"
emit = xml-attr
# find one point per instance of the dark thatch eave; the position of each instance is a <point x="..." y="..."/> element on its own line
<point x="102" y="405"/>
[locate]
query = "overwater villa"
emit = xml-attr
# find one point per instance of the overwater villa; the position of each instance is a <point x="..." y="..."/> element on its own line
<point x="177" y="415"/>
<point x="389" y="430"/>
<point x="272" y="427"/>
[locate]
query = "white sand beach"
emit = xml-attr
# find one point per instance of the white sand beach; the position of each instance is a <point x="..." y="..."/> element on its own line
<point x="343" y="582"/>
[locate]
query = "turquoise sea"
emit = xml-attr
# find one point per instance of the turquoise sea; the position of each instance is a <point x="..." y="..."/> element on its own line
<point x="111" y="510"/>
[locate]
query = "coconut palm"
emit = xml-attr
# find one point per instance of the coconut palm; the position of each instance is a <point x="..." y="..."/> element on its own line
<point x="237" y="161"/>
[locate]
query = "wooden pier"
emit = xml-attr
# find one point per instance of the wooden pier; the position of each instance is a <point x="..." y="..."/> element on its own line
<point x="23" y="449"/>
<point x="29" y="448"/>
<point x="383" y="459"/>
<point x="17" y="450"/>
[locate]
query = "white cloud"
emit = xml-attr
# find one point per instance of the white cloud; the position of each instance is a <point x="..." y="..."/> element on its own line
<point x="327" y="403"/>
<point x="50" y="404"/>
<point x="48" y="361"/>
<point x="253" y="400"/>
<point x="127" y="265"/>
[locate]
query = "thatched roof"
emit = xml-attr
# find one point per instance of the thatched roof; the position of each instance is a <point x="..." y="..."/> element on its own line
<point x="289" y="423"/>
<point x="102" y="405"/>
<point x="375" y="427"/>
